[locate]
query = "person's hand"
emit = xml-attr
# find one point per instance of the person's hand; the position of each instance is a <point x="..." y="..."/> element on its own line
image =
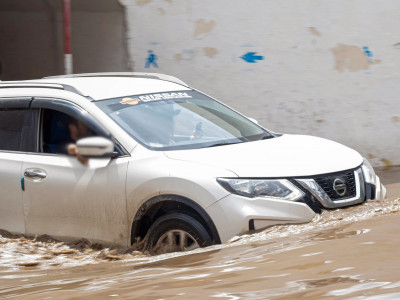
<point x="72" y="150"/>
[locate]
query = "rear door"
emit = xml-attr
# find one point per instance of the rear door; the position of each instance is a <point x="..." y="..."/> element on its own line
<point x="66" y="198"/>
<point x="17" y="125"/>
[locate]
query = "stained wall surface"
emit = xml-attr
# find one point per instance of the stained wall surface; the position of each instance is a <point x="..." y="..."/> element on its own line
<point x="319" y="67"/>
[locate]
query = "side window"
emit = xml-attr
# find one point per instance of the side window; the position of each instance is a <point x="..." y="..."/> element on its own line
<point x="17" y="130"/>
<point x="60" y="130"/>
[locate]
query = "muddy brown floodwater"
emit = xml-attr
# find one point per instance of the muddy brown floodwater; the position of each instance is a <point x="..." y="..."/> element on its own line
<point x="351" y="253"/>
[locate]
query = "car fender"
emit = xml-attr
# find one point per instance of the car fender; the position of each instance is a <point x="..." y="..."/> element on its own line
<point x="151" y="177"/>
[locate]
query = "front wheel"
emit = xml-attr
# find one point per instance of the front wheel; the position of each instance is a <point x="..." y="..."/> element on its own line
<point x="176" y="232"/>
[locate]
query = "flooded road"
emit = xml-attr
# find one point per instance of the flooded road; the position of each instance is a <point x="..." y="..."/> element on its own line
<point x="351" y="253"/>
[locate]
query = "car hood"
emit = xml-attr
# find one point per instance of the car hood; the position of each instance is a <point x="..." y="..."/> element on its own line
<point x="284" y="156"/>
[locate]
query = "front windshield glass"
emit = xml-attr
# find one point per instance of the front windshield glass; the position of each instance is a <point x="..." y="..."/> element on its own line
<point x="180" y="120"/>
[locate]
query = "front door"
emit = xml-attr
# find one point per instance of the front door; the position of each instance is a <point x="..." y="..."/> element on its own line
<point x="65" y="198"/>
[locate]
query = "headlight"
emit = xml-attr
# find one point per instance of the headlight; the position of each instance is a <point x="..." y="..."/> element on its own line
<point x="369" y="173"/>
<point x="271" y="188"/>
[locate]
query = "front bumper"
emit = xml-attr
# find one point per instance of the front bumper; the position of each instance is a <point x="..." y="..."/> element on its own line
<point x="234" y="214"/>
<point x="380" y="190"/>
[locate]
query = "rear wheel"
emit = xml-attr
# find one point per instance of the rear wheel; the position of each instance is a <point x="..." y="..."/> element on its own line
<point x="176" y="232"/>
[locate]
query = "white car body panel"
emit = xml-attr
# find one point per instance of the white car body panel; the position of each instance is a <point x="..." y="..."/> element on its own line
<point x="285" y="156"/>
<point x="151" y="174"/>
<point x="11" y="214"/>
<point x="380" y="190"/>
<point x="75" y="199"/>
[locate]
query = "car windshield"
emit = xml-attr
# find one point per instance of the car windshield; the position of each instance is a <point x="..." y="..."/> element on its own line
<point x="180" y="120"/>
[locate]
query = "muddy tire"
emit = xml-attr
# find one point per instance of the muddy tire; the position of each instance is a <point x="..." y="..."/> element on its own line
<point x="176" y="232"/>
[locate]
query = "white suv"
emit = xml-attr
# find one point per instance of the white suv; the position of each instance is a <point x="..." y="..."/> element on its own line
<point x="168" y="165"/>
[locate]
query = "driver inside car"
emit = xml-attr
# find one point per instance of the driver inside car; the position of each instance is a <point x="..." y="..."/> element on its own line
<point x="77" y="130"/>
<point x="63" y="132"/>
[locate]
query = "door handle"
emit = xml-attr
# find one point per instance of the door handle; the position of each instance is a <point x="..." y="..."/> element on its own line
<point x="39" y="174"/>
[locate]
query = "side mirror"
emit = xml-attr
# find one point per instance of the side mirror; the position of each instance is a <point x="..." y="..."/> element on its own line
<point x="95" y="147"/>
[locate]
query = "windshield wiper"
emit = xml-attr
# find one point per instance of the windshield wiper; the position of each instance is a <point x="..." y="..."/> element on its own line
<point x="266" y="137"/>
<point x="223" y="144"/>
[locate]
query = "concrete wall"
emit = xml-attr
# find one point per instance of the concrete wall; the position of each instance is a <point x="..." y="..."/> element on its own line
<point x="27" y="43"/>
<point x="31" y="38"/>
<point x="319" y="67"/>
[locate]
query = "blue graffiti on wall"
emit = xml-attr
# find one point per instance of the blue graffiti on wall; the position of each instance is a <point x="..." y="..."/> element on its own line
<point x="151" y="60"/>
<point x="251" y="57"/>
<point x="368" y="53"/>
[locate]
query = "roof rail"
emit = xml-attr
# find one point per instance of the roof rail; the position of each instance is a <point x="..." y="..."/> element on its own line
<point x="124" y="74"/>
<point x="27" y="84"/>
<point x="21" y="84"/>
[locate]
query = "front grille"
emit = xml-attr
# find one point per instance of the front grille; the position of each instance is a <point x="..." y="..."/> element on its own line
<point x="345" y="181"/>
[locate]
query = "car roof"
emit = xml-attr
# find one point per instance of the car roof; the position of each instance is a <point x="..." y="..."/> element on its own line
<point x="99" y="86"/>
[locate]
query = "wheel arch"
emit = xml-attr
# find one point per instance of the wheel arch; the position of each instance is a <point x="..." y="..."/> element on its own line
<point x="160" y="205"/>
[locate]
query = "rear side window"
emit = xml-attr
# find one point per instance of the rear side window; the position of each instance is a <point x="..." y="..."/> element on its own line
<point x="16" y="130"/>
